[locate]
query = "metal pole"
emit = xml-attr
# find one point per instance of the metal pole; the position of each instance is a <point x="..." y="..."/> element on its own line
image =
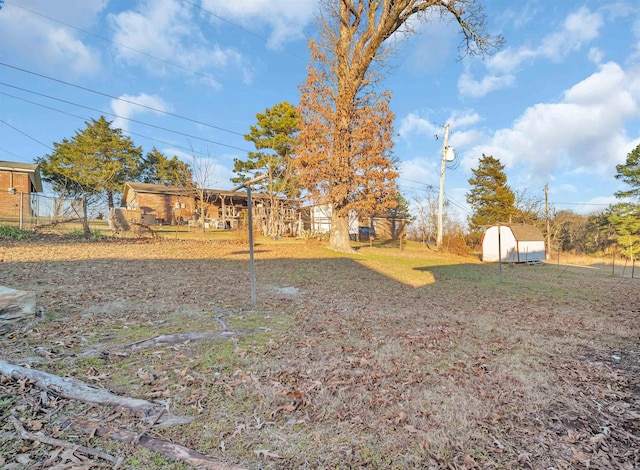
<point x="251" y="263"/>
<point x="441" y="198"/>
<point x="250" y="220"/>
<point x="21" y="210"/>
<point x="499" y="254"/>
<point x="546" y="206"/>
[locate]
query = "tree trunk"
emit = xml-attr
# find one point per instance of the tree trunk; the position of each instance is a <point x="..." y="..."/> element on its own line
<point x="339" y="237"/>
<point x="110" y="199"/>
<point x="85" y="217"/>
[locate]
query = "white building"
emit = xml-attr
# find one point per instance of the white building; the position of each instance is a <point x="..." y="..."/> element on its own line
<point x="513" y="243"/>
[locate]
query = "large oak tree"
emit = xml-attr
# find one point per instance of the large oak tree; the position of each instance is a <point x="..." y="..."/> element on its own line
<point x="347" y="111"/>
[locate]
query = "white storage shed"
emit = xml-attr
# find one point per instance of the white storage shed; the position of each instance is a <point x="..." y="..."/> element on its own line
<point x="519" y="243"/>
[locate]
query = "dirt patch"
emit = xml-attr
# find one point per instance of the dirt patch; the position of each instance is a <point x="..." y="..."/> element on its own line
<point x="385" y="359"/>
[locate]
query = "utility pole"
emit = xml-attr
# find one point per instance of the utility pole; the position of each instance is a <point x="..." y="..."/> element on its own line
<point x="546" y="206"/>
<point x="441" y="198"/>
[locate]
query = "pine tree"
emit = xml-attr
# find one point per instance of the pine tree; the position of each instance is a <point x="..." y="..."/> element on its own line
<point x="157" y="168"/>
<point x="491" y="199"/>
<point x="275" y="139"/>
<point x="629" y="173"/>
<point x="97" y="160"/>
<point x="625" y="216"/>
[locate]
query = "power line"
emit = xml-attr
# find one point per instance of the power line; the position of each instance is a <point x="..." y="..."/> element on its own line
<point x="25" y="134"/>
<point x="428" y="186"/>
<point x="464" y="209"/>
<point x="122" y="117"/>
<point x="85" y="118"/>
<point x="11" y="153"/>
<point x="122" y="99"/>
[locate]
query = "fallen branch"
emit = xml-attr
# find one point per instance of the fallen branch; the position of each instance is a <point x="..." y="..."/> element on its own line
<point x="167" y="449"/>
<point x="23" y="434"/>
<point x="68" y="387"/>
<point x="179" y="338"/>
<point x="16" y="306"/>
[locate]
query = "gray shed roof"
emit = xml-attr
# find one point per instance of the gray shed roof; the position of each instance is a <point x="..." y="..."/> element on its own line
<point x="524" y="232"/>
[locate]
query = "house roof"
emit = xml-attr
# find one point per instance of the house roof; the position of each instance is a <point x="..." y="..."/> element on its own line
<point x="524" y="232"/>
<point x="33" y="169"/>
<point x="158" y="189"/>
<point x="182" y="191"/>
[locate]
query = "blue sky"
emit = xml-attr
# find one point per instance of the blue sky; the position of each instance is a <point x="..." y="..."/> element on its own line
<point x="558" y="105"/>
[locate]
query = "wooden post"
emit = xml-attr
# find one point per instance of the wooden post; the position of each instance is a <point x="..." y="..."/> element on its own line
<point x="613" y="262"/>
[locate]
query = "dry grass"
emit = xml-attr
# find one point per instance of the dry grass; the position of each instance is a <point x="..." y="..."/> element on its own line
<point x="383" y="359"/>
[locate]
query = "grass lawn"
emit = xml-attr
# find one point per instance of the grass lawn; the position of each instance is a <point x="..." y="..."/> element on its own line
<point x="387" y="358"/>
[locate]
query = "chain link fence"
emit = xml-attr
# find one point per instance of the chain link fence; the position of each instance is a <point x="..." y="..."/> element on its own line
<point x="38" y="211"/>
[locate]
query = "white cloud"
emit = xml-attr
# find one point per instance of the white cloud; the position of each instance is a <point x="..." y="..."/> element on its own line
<point x="166" y="29"/>
<point x="27" y="34"/>
<point x="463" y="118"/>
<point x="412" y="123"/>
<point x="584" y="131"/>
<point x="287" y="19"/>
<point x="125" y="108"/>
<point x="467" y="86"/>
<point x="466" y="139"/>
<point x="578" y="29"/>
<point x="420" y="171"/>
<point x="595" y="55"/>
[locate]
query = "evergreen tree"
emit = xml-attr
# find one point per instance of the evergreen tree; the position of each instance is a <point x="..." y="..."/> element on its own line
<point x="157" y="168"/>
<point x="97" y="160"/>
<point x="625" y="216"/>
<point x="275" y="139"/>
<point x="401" y="209"/>
<point x="491" y="199"/>
<point x="629" y="172"/>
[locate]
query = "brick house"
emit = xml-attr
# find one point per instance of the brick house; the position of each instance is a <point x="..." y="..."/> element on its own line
<point x="160" y="204"/>
<point x="18" y="181"/>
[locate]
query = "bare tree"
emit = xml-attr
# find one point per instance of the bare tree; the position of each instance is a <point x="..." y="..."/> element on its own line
<point x="202" y="170"/>
<point x="349" y="60"/>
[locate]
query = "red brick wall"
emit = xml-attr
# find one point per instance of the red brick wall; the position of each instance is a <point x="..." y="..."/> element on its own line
<point x="10" y="203"/>
<point x="163" y="206"/>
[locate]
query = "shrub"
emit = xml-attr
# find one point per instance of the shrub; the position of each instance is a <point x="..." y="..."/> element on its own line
<point x="9" y="232"/>
<point x="455" y="245"/>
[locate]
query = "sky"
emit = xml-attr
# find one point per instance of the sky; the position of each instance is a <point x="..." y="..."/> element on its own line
<point x="558" y="105"/>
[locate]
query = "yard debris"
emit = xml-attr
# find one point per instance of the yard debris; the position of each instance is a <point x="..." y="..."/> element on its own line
<point x="368" y="368"/>
<point x="68" y="387"/>
<point x="168" y="449"/>
<point x="71" y="448"/>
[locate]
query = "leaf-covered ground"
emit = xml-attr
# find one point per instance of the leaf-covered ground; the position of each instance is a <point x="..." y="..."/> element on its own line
<point x="384" y="359"/>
